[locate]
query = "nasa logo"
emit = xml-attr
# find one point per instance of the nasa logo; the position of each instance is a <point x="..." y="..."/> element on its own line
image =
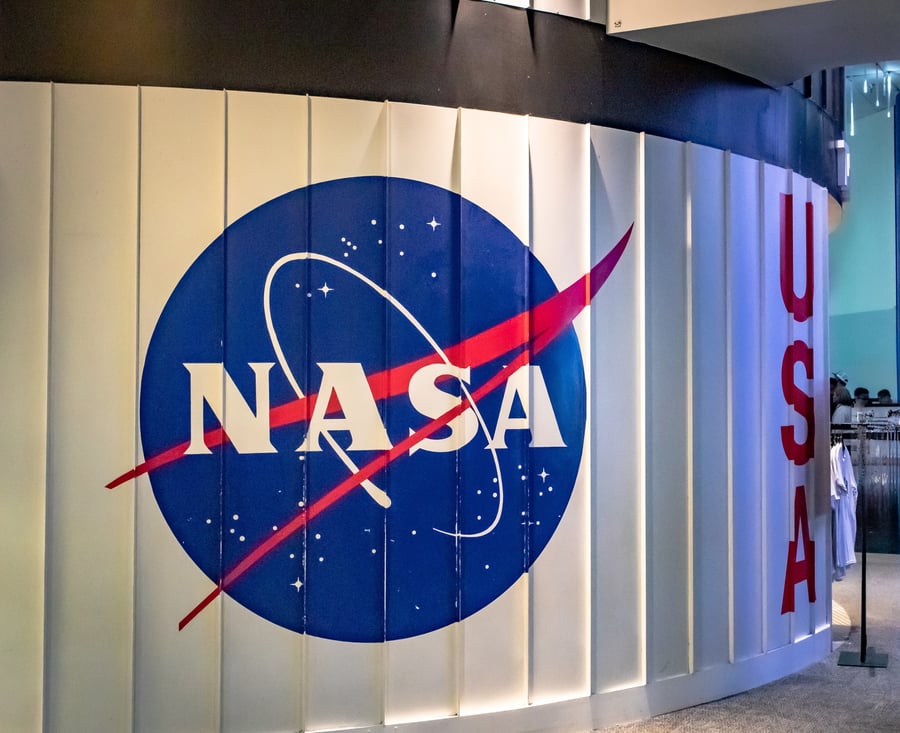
<point x="363" y="409"/>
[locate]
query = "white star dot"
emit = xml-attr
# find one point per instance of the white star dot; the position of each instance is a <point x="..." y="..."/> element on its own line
<point x="235" y="517"/>
<point x="242" y="538"/>
<point x="297" y="584"/>
<point x="403" y="226"/>
<point x="374" y="222"/>
<point x="543" y="474"/>
<point x="434" y="223"/>
<point x="325" y="289"/>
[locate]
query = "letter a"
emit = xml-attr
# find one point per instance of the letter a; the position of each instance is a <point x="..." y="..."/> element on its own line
<point x="539" y="417"/>
<point x="799" y="570"/>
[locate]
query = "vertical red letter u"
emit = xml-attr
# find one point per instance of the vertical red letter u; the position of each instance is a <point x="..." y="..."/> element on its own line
<point x="799" y="306"/>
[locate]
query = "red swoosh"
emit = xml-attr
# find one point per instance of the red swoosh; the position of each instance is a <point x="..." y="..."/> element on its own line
<point x="537" y="327"/>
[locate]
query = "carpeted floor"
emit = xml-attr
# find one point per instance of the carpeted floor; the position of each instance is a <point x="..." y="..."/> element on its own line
<point x="824" y="697"/>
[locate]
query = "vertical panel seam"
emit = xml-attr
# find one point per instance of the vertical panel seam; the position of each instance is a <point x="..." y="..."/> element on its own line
<point x="460" y="650"/>
<point x="587" y="454"/>
<point x="136" y="378"/>
<point x="385" y="648"/>
<point x="224" y="597"/>
<point x="642" y="399"/>
<point x="764" y="450"/>
<point x="45" y="647"/>
<point x="303" y="694"/>
<point x="529" y="609"/>
<point x="729" y="391"/>
<point x="791" y="469"/>
<point x="687" y="181"/>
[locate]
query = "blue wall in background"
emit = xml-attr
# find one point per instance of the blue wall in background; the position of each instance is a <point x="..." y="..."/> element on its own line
<point x="862" y="304"/>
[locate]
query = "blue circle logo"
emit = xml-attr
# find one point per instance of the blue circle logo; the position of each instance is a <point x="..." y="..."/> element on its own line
<point x="353" y="424"/>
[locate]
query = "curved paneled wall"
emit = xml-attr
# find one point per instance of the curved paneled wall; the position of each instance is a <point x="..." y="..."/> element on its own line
<point x="412" y="415"/>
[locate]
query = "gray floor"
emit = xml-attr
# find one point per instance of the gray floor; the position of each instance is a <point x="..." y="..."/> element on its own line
<point x="825" y="697"/>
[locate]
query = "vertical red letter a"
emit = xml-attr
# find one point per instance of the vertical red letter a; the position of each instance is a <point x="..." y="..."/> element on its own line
<point x="805" y="569"/>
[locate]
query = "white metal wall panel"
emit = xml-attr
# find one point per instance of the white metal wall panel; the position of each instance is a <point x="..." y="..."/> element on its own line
<point x="822" y="470"/>
<point x="745" y="322"/>
<point x="803" y="621"/>
<point x="617" y="417"/>
<point x="778" y="492"/>
<point x="182" y="195"/>
<point x="669" y="438"/>
<point x="709" y="410"/>
<point x="93" y="341"/>
<point x="422" y="672"/>
<point x="25" y="119"/>
<point x="494" y="174"/>
<point x="267" y="155"/>
<point x="344" y="682"/>
<point x="559" y="602"/>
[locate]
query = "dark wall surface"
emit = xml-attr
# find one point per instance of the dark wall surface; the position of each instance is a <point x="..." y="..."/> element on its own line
<point x="455" y="53"/>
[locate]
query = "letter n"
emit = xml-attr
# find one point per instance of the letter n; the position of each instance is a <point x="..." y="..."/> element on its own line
<point x="247" y="430"/>
<point x="798" y="571"/>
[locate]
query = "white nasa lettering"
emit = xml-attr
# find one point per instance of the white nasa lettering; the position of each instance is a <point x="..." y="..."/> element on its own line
<point x="539" y="416"/>
<point x="247" y="431"/>
<point x="432" y="402"/>
<point x="346" y="382"/>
